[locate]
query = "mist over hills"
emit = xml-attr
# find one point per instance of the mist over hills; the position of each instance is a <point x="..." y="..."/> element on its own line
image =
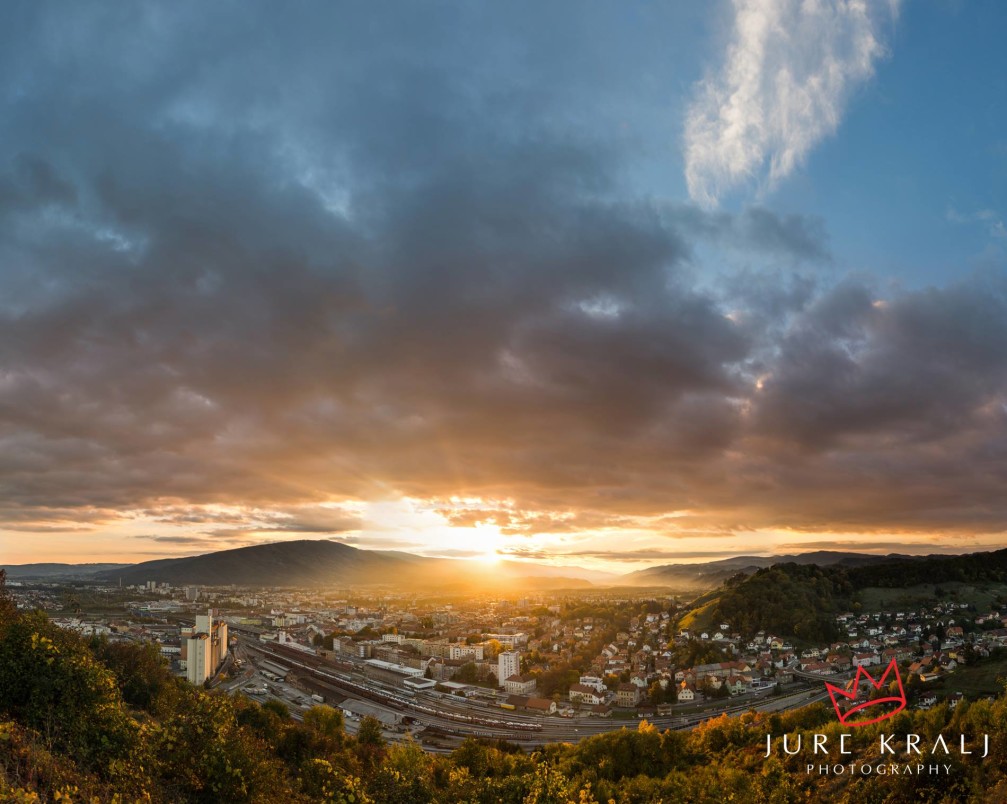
<point x="712" y="573"/>
<point x="321" y="562"/>
<point x="314" y="562"/>
<point x="57" y="570"/>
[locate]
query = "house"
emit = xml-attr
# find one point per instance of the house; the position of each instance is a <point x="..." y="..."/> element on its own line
<point x="736" y="685"/>
<point x="593" y="681"/>
<point x="519" y="685"/>
<point x="542" y="706"/>
<point x="627" y="695"/>
<point x="581" y="693"/>
<point x="686" y="694"/>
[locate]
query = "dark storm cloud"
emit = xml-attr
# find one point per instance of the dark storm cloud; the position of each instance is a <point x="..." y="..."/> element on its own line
<point x="794" y="237"/>
<point x="263" y="258"/>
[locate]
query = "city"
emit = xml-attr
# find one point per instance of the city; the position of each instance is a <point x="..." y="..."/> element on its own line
<point x="551" y="667"/>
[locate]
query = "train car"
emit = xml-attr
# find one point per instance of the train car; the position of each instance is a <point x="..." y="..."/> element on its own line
<point x="507" y="706"/>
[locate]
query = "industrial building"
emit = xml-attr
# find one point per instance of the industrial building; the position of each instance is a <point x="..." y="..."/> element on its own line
<point x="204" y="647"/>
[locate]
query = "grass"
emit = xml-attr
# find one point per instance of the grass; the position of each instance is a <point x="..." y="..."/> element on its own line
<point x="974" y="680"/>
<point x="982" y="596"/>
<point x="700" y="617"/>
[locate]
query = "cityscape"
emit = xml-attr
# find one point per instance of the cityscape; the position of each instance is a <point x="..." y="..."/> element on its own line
<point x="470" y="402"/>
<point x="529" y="669"/>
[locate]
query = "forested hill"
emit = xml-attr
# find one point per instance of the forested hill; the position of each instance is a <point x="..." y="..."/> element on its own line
<point x="801" y="601"/>
<point x="786" y="599"/>
<point x="969" y="568"/>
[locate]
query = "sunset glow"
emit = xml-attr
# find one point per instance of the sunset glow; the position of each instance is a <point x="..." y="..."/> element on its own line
<point x="617" y="303"/>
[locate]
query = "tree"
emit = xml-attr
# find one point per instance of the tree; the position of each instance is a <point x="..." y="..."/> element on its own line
<point x="323" y="782"/>
<point x="278" y="708"/>
<point x="141" y="672"/>
<point x="325" y="720"/>
<point x="369" y="732"/>
<point x="468" y="673"/>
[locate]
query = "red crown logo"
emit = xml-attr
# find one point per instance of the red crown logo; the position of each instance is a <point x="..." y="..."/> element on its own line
<point x="849" y="717"/>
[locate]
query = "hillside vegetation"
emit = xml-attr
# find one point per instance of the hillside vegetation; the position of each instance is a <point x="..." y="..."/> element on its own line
<point x="801" y="601"/>
<point x="97" y="722"/>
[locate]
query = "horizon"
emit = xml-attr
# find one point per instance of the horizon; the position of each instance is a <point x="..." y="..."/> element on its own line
<point x="609" y="286"/>
<point x="488" y="562"/>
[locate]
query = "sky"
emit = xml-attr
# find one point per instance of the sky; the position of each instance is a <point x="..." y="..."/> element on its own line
<point x="611" y="284"/>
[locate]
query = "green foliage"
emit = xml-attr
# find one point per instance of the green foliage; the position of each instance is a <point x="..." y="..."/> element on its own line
<point x="792" y="600"/>
<point x="323" y="782"/>
<point x="51" y="683"/>
<point x="278" y="708"/>
<point x="801" y="601"/>
<point x="141" y="672"/>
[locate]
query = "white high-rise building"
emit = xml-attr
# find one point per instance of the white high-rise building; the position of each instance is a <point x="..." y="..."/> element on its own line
<point x="508" y="664"/>
<point x="205" y="646"/>
<point x="198" y="662"/>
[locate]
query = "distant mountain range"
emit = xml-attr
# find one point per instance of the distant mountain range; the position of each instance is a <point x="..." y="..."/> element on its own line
<point x="313" y="562"/>
<point x="58" y="571"/>
<point x="321" y="562"/>
<point x="713" y="573"/>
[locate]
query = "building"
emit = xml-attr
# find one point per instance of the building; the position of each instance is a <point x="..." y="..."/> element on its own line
<point x="593" y="681"/>
<point x="197" y="658"/>
<point x="508" y="641"/>
<point x="542" y="706"/>
<point x="627" y="695"/>
<point x="205" y="647"/>
<point x="462" y="651"/>
<point x="508" y="664"/>
<point x="520" y="685"/>
<point x="581" y="693"/>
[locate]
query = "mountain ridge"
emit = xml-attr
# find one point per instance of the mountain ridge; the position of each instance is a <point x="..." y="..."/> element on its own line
<point x="325" y="561"/>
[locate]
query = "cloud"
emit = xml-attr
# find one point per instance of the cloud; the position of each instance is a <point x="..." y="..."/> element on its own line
<point x="886" y="547"/>
<point x="251" y="294"/>
<point x="788" y="73"/>
<point x="647" y="555"/>
<point x="201" y="541"/>
<point x="990" y="219"/>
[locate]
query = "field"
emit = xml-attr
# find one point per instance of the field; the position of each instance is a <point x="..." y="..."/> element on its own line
<point x="982" y="678"/>
<point x="700" y="616"/>
<point x="982" y="596"/>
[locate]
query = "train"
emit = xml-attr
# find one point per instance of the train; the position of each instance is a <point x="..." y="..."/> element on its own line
<point x="400" y="699"/>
